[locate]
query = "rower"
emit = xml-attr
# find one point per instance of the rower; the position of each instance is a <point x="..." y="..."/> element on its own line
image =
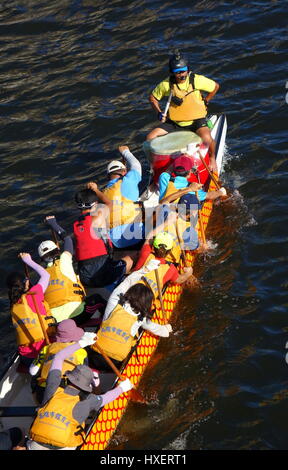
<point x="166" y="247"/>
<point x="187" y="109"/>
<point x="59" y="424"/>
<point x="65" y="293"/>
<point x="174" y="185"/>
<point x="32" y="331"/>
<point x="126" y="224"/>
<point x="94" y="251"/>
<point x="128" y="309"/>
<point x="67" y="333"/>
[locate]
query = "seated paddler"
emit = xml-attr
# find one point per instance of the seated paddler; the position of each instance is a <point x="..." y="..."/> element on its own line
<point x="126" y="214"/>
<point x="129" y="308"/>
<point x="94" y="250"/>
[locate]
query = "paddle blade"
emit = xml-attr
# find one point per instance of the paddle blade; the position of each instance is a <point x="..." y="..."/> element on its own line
<point x="137" y="397"/>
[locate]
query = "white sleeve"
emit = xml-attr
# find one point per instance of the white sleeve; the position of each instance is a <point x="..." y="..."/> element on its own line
<point x="121" y="289"/>
<point x="132" y="161"/>
<point x="159" y="330"/>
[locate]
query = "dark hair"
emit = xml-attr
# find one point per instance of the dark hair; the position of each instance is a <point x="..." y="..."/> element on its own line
<point x="16" y="286"/>
<point x="160" y="252"/>
<point x="140" y="298"/>
<point x="85" y="197"/>
<point x="179" y="171"/>
<point x="54" y="254"/>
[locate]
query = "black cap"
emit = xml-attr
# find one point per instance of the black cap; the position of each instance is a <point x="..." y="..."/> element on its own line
<point x="177" y="61"/>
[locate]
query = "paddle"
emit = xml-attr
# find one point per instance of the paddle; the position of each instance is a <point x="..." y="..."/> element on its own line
<point x="209" y="171"/>
<point x="164" y="115"/>
<point x="55" y="238"/>
<point x="135" y="395"/>
<point x="192" y="280"/>
<point x="204" y="243"/>
<point x="160" y="296"/>
<point x="39" y="316"/>
<point x="180" y="243"/>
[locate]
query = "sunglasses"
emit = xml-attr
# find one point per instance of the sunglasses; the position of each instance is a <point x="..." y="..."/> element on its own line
<point x="180" y="71"/>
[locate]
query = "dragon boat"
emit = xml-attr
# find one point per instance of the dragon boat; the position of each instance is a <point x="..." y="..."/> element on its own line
<point x="17" y="405"/>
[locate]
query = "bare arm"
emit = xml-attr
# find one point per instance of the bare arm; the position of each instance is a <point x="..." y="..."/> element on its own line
<point x="192" y="187"/>
<point x="99" y="194"/>
<point x="155" y="104"/>
<point x="213" y="93"/>
<point x="188" y="272"/>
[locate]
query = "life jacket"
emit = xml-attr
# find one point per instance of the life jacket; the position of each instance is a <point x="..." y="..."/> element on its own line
<point x="175" y="254"/>
<point x="54" y="423"/>
<point x="61" y="289"/>
<point x="192" y="107"/>
<point x="26" y="322"/>
<point x="69" y="363"/>
<point x="149" y="279"/>
<point x="123" y="210"/>
<point x="171" y="188"/>
<point x="88" y="244"/>
<point x="114" y="335"/>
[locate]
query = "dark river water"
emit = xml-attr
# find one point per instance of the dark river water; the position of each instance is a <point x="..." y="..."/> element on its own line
<point x="74" y="83"/>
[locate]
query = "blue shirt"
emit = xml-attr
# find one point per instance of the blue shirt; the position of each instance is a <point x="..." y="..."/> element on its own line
<point x="180" y="182"/>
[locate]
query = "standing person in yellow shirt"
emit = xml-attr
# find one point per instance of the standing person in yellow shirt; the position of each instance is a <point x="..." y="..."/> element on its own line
<point x="188" y="109"/>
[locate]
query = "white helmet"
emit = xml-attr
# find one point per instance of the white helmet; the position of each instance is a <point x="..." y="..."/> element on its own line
<point x="114" y="166"/>
<point x="45" y="247"/>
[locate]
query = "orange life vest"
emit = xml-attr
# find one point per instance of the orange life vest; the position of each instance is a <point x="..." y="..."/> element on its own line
<point x="150" y="278"/>
<point x="54" y="423"/>
<point x="123" y="211"/>
<point x="69" y="363"/>
<point x="27" y="326"/>
<point x="114" y="336"/>
<point x="192" y="107"/>
<point x="61" y="289"/>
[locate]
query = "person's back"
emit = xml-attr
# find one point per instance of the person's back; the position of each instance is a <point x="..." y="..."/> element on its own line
<point x="119" y="329"/>
<point x="25" y="300"/>
<point x="65" y="293"/>
<point x="59" y="423"/>
<point x="94" y="251"/>
<point x="67" y="333"/>
<point x="126" y="224"/>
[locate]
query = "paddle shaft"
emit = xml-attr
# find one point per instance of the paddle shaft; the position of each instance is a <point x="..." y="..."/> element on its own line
<point x="39" y="316"/>
<point x="108" y="360"/>
<point x="180" y="243"/>
<point x="135" y="395"/>
<point x="54" y="237"/>
<point x="167" y="105"/>
<point x="201" y="221"/>
<point x="160" y="295"/>
<point x="209" y="171"/>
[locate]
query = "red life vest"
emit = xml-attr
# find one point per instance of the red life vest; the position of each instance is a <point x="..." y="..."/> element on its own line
<point x="88" y="243"/>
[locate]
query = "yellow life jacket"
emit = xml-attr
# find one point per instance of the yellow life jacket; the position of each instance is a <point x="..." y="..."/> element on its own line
<point x="61" y="289"/>
<point x="150" y="278"/>
<point x="54" y="423"/>
<point x="26" y="323"/>
<point x="123" y="211"/>
<point x="69" y="363"/>
<point x="192" y="107"/>
<point x="114" y="335"/>
<point x="171" y="188"/>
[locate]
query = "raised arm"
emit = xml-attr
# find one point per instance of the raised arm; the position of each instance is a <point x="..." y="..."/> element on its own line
<point x="44" y="275"/>
<point x="131" y="161"/>
<point x="93" y="186"/>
